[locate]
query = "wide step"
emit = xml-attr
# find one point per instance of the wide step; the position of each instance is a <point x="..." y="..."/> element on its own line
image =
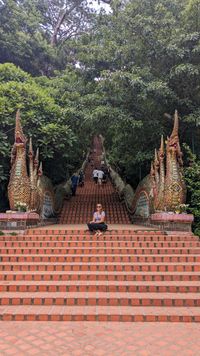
<point x="121" y="277"/>
<point x="98" y="276"/>
<point x="100" y="313"/>
<point x="102" y="298"/>
<point x="100" y="286"/>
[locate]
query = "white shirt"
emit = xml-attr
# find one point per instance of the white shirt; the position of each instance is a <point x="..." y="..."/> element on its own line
<point x="100" y="174"/>
<point x="98" y="216"/>
<point x="95" y="173"/>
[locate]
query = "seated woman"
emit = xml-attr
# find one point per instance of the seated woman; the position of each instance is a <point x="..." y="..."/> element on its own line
<point x="98" y="222"/>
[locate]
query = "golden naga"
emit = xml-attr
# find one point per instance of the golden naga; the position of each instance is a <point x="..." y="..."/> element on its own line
<point x="170" y="189"/>
<point x="35" y="190"/>
<point x="19" y="189"/>
<point x="164" y="188"/>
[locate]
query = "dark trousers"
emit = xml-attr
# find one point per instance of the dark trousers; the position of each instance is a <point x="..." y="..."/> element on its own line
<point x="95" y="226"/>
<point x="95" y="179"/>
<point x="74" y="187"/>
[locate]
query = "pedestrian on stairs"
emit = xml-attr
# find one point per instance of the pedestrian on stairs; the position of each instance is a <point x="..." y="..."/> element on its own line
<point x="95" y="175"/>
<point x="100" y="177"/>
<point x="74" y="180"/>
<point x="98" y="223"/>
<point x="81" y="178"/>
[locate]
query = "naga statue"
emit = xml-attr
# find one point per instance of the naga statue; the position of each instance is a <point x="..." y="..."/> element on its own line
<point x="164" y="188"/>
<point x="34" y="190"/>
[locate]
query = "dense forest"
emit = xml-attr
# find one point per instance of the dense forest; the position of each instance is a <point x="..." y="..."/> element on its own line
<point x="74" y="71"/>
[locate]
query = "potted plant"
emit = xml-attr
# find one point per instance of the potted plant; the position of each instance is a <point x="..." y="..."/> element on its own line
<point x="22" y="207"/>
<point x="181" y="208"/>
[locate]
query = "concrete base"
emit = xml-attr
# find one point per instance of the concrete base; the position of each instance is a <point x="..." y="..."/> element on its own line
<point x="18" y="220"/>
<point x="172" y="222"/>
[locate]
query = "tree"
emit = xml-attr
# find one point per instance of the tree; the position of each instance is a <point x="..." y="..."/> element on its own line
<point x="144" y="60"/>
<point x="66" y="19"/>
<point x="22" y="38"/>
<point x="117" y="73"/>
<point x="57" y="130"/>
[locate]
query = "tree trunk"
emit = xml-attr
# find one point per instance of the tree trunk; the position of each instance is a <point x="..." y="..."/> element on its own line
<point x="60" y="20"/>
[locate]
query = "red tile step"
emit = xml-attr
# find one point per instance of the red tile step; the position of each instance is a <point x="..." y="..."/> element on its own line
<point x="99" y="276"/>
<point x="99" y="313"/>
<point x="84" y="232"/>
<point x="101" y="298"/>
<point x="98" y="251"/>
<point x="105" y="258"/>
<point x="100" y="286"/>
<point x="125" y="267"/>
<point x="106" y="237"/>
<point x="101" y="244"/>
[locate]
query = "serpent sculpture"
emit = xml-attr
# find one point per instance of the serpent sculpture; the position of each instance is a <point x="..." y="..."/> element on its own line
<point x="34" y="190"/>
<point x="164" y="188"/>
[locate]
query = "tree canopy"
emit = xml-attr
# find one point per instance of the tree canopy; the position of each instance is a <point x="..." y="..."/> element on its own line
<point x="75" y="72"/>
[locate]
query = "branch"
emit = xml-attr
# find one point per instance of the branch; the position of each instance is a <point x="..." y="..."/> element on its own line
<point x="60" y="20"/>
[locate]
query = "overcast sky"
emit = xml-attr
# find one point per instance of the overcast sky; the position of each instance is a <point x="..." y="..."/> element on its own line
<point x="98" y="7"/>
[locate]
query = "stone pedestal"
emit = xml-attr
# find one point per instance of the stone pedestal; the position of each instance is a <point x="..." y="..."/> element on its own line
<point x="172" y="222"/>
<point x="18" y="220"/>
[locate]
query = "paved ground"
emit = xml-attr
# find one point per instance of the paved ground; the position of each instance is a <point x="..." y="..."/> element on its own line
<point x="99" y="339"/>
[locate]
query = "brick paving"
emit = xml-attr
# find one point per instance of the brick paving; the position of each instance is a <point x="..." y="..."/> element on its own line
<point x="99" y="339"/>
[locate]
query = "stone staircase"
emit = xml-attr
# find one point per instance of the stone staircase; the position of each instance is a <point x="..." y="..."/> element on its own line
<point x="125" y="275"/>
<point x="79" y="209"/>
<point x="62" y="273"/>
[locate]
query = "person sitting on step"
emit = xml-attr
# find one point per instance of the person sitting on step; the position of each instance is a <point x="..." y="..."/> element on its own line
<point x="98" y="223"/>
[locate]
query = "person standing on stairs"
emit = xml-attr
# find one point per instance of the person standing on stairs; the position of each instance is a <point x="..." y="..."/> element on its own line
<point x="98" y="223"/>
<point x="100" y="177"/>
<point x="95" y="175"/>
<point x="74" y="180"/>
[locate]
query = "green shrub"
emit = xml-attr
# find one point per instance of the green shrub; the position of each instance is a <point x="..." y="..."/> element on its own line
<point x="192" y="174"/>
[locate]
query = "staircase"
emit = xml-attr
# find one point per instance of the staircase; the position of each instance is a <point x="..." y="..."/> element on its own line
<point x="62" y="273"/>
<point x="79" y="209"/>
<point x="125" y="275"/>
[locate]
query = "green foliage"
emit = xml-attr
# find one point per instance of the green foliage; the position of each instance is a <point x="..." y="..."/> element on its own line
<point x="144" y="59"/>
<point x="22" y="40"/>
<point x="192" y="174"/>
<point x="122" y="72"/>
<point x="55" y="129"/>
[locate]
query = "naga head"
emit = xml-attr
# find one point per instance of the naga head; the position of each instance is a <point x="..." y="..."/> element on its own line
<point x="161" y="152"/>
<point x="152" y="171"/>
<point x="173" y="145"/>
<point x="36" y="159"/>
<point x="40" y="170"/>
<point x="173" y="140"/>
<point x="30" y="152"/>
<point x="156" y="161"/>
<point x="20" y="138"/>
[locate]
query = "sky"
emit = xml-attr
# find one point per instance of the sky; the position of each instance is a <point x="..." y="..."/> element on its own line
<point x="95" y="5"/>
